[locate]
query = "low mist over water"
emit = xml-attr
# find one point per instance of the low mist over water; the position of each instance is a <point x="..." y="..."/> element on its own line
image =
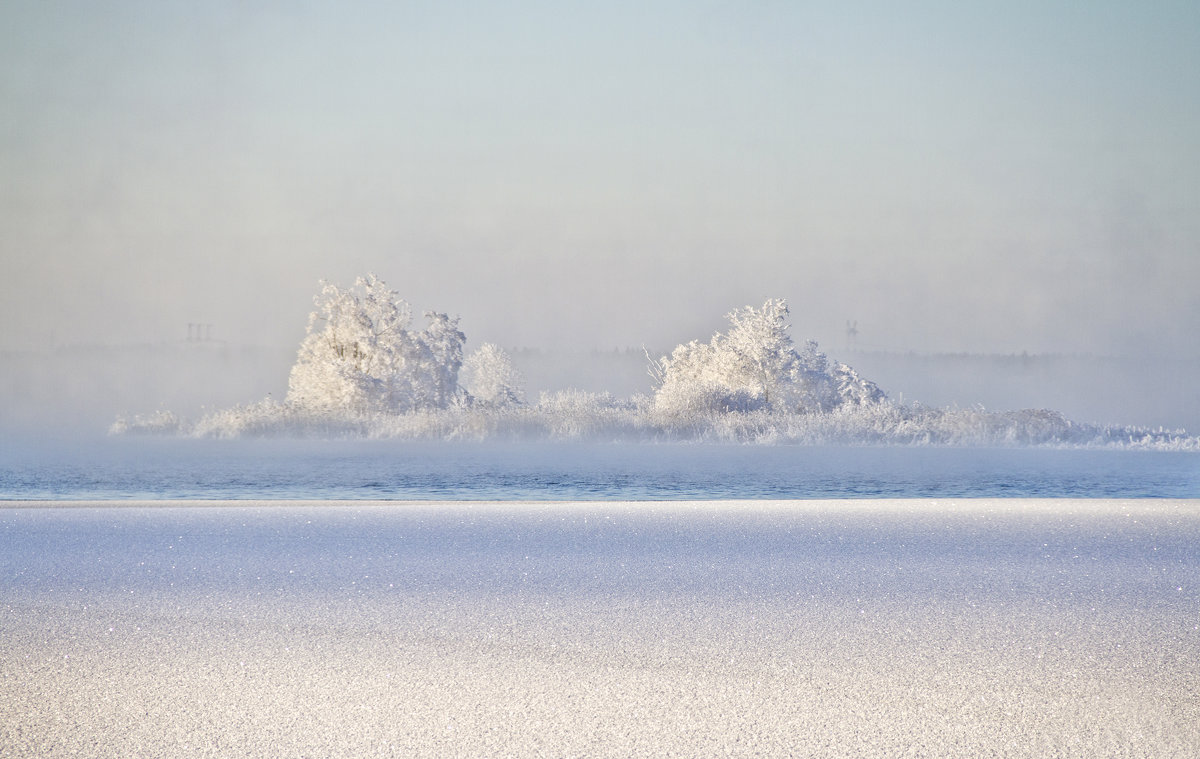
<point x="82" y="389"/>
<point x="132" y="468"/>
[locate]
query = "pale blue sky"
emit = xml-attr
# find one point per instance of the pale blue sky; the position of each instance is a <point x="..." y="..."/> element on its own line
<point x="954" y="176"/>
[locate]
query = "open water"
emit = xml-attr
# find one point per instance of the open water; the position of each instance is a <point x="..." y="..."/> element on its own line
<point x="115" y="469"/>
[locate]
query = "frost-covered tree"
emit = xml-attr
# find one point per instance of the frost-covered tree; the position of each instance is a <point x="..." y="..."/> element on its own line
<point x="488" y="375"/>
<point x="361" y="356"/>
<point x="756" y="355"/>
<point x="754" y="366"/>
<point x="439" y="361"/>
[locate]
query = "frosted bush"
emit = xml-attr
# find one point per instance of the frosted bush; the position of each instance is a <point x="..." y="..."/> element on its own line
<point x="269" y="418"/>
<point x="489" y="377"/>
<point x="161" y="422"/>
<point x="574" y="414"/>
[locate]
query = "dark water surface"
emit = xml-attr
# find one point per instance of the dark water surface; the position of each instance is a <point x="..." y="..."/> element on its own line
<point x="114" y="469"/>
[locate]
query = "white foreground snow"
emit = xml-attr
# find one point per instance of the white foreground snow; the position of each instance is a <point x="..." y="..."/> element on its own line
<point x="800" y="628"/>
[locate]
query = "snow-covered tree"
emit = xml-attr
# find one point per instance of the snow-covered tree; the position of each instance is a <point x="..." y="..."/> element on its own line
<point x="756" y="355"/>
<point x="753" y="366"/>
<point x="439" y="361"/>
<point x="361" y="356"/>
<point x="488" y="375"/>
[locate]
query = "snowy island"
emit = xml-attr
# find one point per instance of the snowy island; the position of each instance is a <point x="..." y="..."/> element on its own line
<point x="365" y="370"/>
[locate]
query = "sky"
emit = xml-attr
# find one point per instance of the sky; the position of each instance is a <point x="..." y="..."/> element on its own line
<point x="954" y="177"/>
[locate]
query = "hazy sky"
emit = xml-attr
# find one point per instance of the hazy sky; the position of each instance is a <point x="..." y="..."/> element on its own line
<point x="954" y="176"/>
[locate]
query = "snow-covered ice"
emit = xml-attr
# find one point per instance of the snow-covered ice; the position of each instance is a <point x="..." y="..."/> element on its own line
<point x="832" y="628"/>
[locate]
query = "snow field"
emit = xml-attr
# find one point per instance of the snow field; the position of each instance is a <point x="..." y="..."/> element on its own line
<point x="855" y="628"/>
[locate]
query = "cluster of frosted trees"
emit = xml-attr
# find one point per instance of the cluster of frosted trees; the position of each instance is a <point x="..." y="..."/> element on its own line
<point x="363" y="357"/>
<point x="755" y="366"/>
<point x="364" y="369"/>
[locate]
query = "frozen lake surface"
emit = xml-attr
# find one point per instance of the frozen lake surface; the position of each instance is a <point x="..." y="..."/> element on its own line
<point x="117" y="468"/>
<point x="861" y="627"/>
